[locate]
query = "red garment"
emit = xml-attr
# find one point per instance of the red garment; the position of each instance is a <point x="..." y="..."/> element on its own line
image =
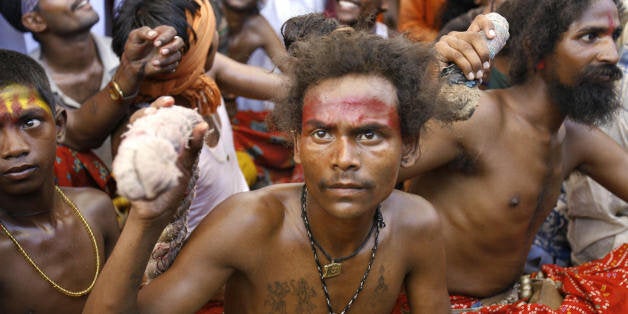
<point x="82" y="169"/>
<point x="270" y="150"/>
<point x="599" y="286"/>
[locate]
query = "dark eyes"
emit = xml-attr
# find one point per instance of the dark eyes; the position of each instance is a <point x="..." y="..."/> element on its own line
<point x="363" y="136"/>
<point x="31" y="123"/>
<point x="590" y="37"/>
<point x="593" y="36"/>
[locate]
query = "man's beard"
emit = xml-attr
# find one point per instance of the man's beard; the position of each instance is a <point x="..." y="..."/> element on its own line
<point x="593" y="99"/>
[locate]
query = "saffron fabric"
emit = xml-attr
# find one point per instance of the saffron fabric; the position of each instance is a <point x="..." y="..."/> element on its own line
<point x="189" y="80"/>
<point x="420" y="19"/>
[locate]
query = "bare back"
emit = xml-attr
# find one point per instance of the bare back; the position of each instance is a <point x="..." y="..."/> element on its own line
<point x="62" y="249"/>
<point x="258" y="241"/>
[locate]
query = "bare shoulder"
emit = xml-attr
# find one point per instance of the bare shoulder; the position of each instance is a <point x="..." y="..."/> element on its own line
<point x="410" y="212"/>
<point x="94" y="204"/>
<point x="487" y="117"/>
<point x="258" y="211"/>
<point x="258" y="24"/>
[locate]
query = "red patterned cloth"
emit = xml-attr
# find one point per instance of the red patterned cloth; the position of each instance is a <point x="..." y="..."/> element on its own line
<point x="270" y="150"/>
<point x="599" y="286"/>
<point x="82" y="169"/>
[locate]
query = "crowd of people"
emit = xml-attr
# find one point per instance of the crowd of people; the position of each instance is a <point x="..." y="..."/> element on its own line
<point x="358" y="185"/>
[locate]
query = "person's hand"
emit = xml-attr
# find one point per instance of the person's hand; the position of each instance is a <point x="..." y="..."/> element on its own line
<point x="154" y="50"/>
<point x="163" y="207"/>
<point x="148" y="51"/>
<point x="468" y="49"/>
<point x="161" y="102"/>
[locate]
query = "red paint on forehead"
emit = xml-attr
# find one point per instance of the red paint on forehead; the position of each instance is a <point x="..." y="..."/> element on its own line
<point x="611" y="22"/>
<point x="355" y="111"/>
<point x="12" y="107"/>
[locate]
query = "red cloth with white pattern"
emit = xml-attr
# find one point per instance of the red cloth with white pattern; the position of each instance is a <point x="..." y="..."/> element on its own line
<point x="599" y="286"/>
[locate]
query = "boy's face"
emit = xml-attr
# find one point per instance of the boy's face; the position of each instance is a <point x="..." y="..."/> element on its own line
<point x="27" y="140"/>
<point x="350" y="145"/>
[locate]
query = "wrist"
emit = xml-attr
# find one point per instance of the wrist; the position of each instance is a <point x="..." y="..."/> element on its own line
<point x="124" y="85"/>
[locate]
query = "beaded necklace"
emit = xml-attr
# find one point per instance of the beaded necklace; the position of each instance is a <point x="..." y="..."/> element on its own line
<point x="378" y="223"/>
<point x="41" y="272"/>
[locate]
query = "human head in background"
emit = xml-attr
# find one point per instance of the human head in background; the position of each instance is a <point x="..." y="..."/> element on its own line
<point x="195" y="23"/>
<point x="303" y="26"/>
<point x="583" y="86"/>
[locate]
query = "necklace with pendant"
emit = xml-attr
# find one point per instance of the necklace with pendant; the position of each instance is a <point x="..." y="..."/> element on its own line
<point x="334" y="268"/>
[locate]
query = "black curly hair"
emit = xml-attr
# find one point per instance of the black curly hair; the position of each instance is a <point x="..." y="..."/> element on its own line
<point x="536" y="26"/>
<point x="403" y="63"/>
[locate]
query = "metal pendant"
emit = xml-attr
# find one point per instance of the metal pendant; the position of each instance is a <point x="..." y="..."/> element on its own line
<point x="332" y="269"/>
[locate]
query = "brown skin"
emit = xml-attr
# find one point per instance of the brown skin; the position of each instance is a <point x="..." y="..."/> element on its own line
<point x="249" y="31"/>
<point x="70" y="55"/>
<point x="46" y="227"/>
<point x="364" y="10"/>
<point x="495" y="177"/>
<point x="266" y="261"/>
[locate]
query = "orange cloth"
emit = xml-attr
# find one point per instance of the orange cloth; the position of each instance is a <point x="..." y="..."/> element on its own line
<point x="599" y="286"/>
<point x="189" y="80"/>
<point x="420" y="18"/>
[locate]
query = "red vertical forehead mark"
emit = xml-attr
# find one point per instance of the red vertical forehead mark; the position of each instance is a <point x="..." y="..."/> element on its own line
<point x="611" y="23"/>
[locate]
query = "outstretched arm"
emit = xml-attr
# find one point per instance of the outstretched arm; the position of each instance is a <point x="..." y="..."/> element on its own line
<point x="116" y="290"/>
<point x="147" y="52"/>
<point x="245" y="80"/>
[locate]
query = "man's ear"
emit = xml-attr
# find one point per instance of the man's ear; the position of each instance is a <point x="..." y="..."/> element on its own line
<point x="61" y="117"/>
<point x="295" y="145"/>
<point x="34" y="22"/>
<point x="410" y="151"/>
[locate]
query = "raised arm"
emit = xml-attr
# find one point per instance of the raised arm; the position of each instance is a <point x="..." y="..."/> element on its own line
<point x="272" y="44"/>
<point x="245" y="80"/>
<point x="441" y="142"/>
<point x="147" y="52"/>
<point x="116" y="290"/>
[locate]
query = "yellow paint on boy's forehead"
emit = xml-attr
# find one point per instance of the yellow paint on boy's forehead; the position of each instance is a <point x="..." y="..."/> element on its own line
<point x="15" y="98"/>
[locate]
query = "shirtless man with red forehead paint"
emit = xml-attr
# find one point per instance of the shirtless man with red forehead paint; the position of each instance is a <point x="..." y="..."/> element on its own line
<point x="345" y="241"/>
<point x="52" y="241"/>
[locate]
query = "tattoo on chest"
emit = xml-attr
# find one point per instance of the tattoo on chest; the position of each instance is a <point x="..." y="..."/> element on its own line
<point x="381" y="287"/>
<point x="280" y="292"/>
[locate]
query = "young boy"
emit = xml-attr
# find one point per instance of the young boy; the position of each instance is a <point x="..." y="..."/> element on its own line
<point x="53" y="241"/>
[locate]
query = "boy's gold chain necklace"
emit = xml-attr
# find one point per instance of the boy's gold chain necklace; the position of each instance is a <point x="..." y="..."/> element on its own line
<point x="41" y="272"/>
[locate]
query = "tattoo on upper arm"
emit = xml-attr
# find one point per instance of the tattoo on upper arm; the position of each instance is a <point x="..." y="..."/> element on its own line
<point x="300" y="289"/>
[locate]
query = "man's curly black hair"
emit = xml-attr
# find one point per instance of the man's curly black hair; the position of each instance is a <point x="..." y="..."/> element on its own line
<point x="403" y="63"/>
<point x="536" y="27"/>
